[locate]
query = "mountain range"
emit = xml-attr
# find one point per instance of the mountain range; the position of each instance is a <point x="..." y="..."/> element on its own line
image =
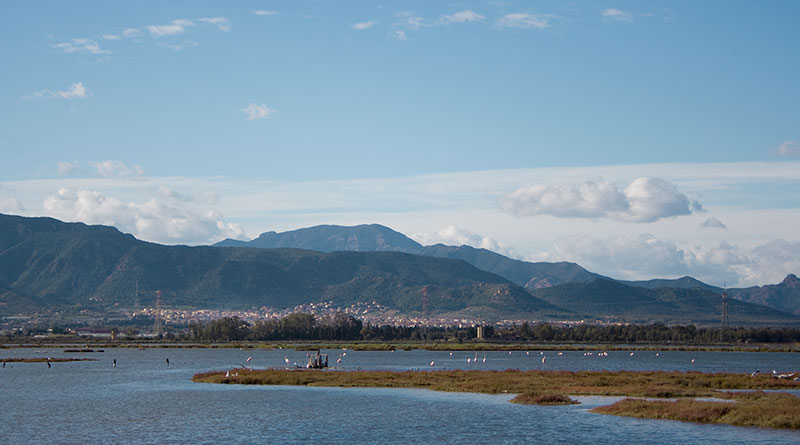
<point x="784" y="296"/>
<point x="48" y="265"/>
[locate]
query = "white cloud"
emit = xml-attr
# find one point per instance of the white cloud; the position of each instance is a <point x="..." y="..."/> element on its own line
<point x="524" y="20"/>
<point x="399" y="35"/>
<point x="364" y="25"/>
<point x="222" y="23"/>
<point x="131" y="32"/>
<point x="457" y="236"/>
<point x="111" y="37"/>
<point x="408" y="20"/>
<point x="178" y="26"/>
<point x="66" y="168"/>
<point x="643" y="200"/>
<point x="644" y="256"/>
<point x="461" y="17"/>
<point x="81" y="46"/>
<point x="110" y="168"/>
<point x="617" y="14"/>
<point x="254" y="111"/>
<point x="789" y="148"/>
<point x="160" y="219"/>
<point x="262" y="12"/>
<point x="75" y="91"/>
<point x="178" y="46"/>
<point x="11" y="205"/>
<point x="713" y="223"/>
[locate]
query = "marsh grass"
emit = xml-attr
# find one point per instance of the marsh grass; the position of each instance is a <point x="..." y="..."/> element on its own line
<point x="622" y="383"/>
<point x="543" y="399"/>
<point x="773" y="410"/>
<point x="776" y="410"/>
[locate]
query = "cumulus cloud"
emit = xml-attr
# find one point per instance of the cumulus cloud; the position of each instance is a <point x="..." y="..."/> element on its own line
<point x="457" y="236"/>
<point x="643" y="200"/>
<point x="617" y="14"/>
<point x="524" y="20"/>
<point x="75" y="91"/>
<point x="399" y="35"/>
<point x="222" y="23"/>
<point x="161" y="219"/>
<point x="461" y="17"/>
<point x="263" y="12"/>
<point x="81" y="46"/>
<point x="111" y="37"/>
<point x="255" y="111"/>
<point x="713" y="223"/>
<point x="644" y="256"/>
<point x="11" y="205"/>
<point x="178" y="26"/>
<point x="110" y="168"/>
<point x="364" y="25"/>
<point x="789" y="148"/>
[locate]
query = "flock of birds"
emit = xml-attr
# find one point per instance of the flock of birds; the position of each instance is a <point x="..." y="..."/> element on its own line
<point x="473" y="360"/>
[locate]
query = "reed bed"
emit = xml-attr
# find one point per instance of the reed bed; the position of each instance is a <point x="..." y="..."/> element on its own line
<point x="772" y="410"/>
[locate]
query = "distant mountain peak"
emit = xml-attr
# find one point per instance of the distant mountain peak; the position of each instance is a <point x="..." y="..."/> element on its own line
<point x="331" y="238"/>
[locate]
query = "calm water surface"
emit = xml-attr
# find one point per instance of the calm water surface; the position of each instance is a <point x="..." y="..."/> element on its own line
<point x="144" y="400"/>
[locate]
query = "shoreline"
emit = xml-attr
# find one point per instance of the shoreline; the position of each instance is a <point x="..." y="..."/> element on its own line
<point x="427" y="346"/>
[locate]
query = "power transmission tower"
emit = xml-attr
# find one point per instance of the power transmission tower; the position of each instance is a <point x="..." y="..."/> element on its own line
<point x="725" y="322"/>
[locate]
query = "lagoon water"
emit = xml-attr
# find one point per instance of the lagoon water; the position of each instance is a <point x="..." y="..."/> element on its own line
<point x="144" y="400"/>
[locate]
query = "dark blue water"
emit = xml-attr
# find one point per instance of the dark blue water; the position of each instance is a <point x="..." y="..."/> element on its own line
<point x="144" y="400"/>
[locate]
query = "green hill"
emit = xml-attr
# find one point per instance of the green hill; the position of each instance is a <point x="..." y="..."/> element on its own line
<point x="611" y="300"/>
<point x="60" y="264"/>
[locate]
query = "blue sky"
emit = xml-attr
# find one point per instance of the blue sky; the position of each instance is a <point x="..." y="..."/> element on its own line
<point x="638" y="139"/>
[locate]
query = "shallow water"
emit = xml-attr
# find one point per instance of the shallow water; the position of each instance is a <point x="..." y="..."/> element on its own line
<point x="144" y="400"/>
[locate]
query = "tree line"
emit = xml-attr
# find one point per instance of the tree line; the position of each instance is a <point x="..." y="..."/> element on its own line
<point x="302" y="326"/>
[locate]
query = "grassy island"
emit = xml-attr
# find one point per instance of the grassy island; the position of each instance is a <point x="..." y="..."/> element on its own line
<point x="553" y="387"/>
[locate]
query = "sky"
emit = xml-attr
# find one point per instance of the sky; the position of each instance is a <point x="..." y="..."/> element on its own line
<point x="639" y="139"/>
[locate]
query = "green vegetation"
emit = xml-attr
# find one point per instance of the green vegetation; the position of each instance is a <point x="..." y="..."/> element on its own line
<point x="299" y="326"/>
<point x="773" y="410"/>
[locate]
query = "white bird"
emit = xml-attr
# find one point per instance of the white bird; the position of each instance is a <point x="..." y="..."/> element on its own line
<point x="451" y="354"/>
<point x="227" y="373"/>
<point x="484" y="358"/>
<point x="249" y="358"/>
<point x="631" y="355"/>
<point x="656" y="354"/>
<point x="286" y="359"/>
<point x="544" y="358"/>
<point x="560" y="353"/>
<point x="469" y="359"/>
<point x="509" y="352"/>
<point x="693" y="361"/>
<point x="433" y="362"/>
